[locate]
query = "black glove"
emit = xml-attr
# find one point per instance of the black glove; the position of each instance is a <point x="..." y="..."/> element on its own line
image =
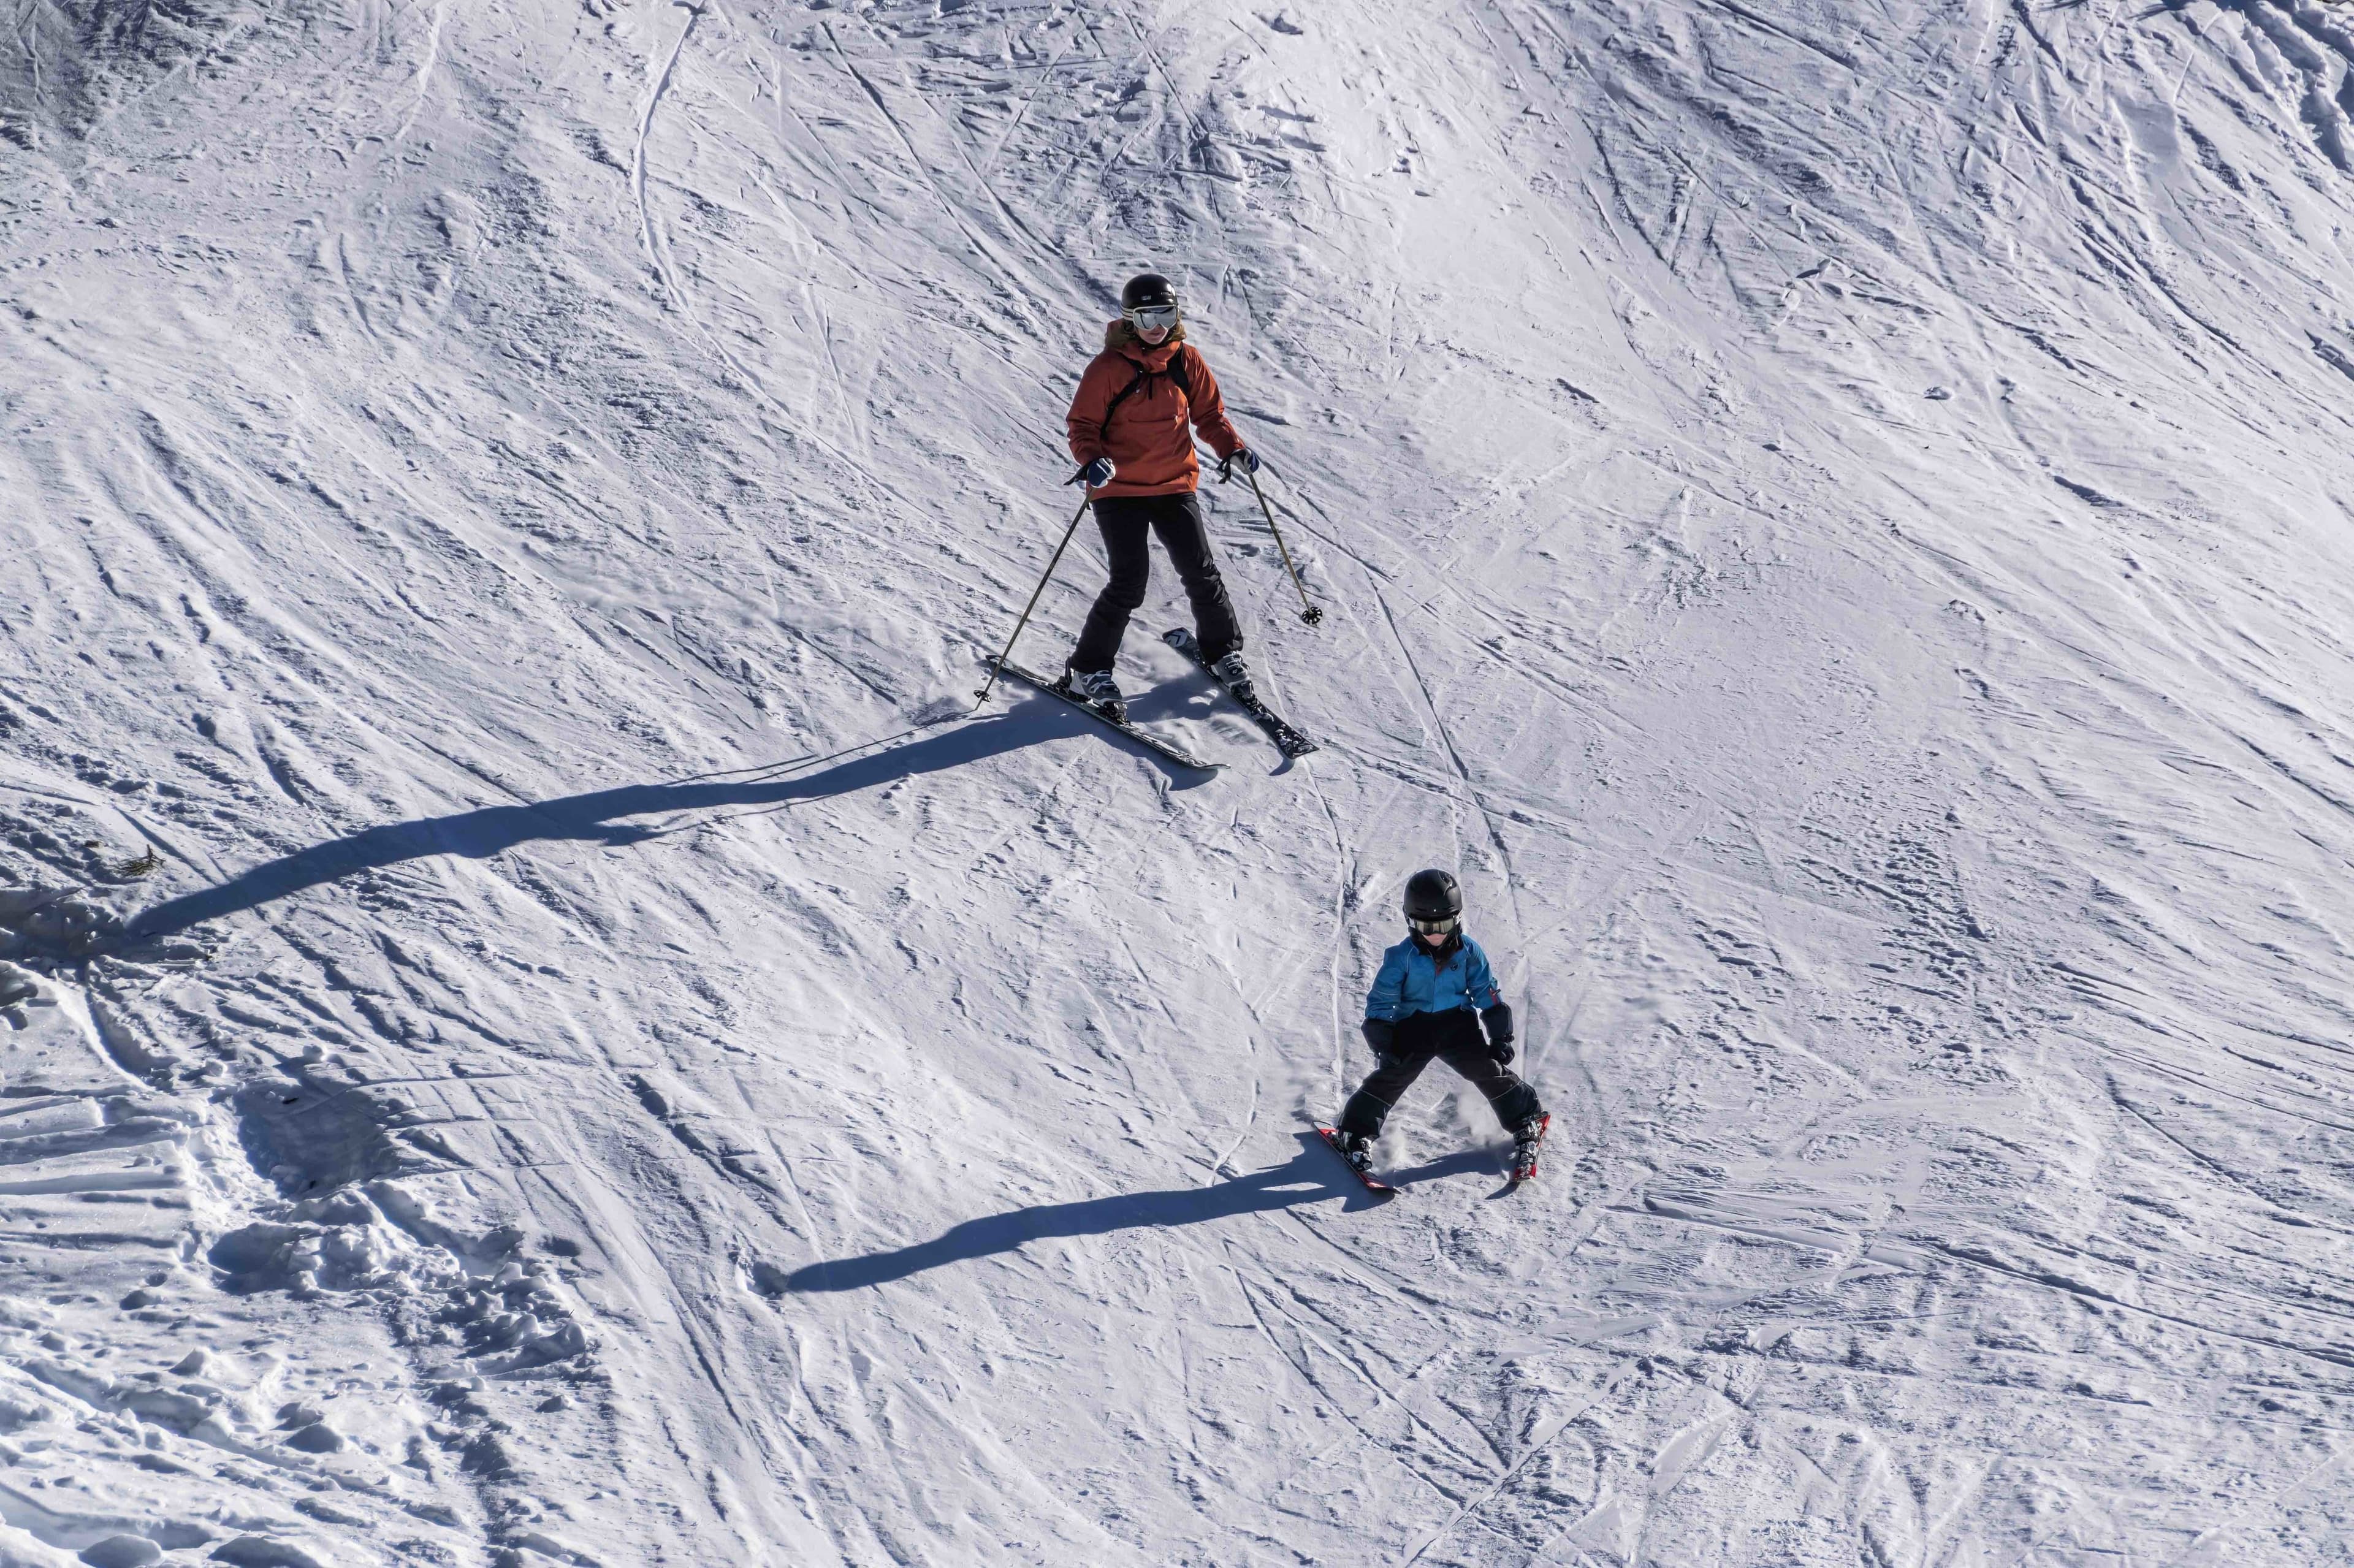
<point x="1381" y="1036"/>
<point x="1096" y="475"/>
<point x="1498" y="1021"/>
<point x="1243" y="455"/>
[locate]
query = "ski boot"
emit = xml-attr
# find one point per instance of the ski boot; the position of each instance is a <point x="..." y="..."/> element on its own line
<point x="1525" y="1138"/>
<point x="1235" y="676"/>
<point x="1357" y="1150"/>
<point x="1098" y="691"/>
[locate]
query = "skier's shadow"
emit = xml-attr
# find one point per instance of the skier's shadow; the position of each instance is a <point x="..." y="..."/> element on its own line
<point x="1311" y="1176"/>
<point x="603" y="816"/>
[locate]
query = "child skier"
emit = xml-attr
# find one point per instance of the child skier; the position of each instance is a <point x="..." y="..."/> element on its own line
<point x="1128" y="431"/>
<point x="1423" y="1006"/>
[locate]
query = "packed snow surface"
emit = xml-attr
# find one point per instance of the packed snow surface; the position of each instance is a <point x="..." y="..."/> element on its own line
<point x="537" y="1029"/>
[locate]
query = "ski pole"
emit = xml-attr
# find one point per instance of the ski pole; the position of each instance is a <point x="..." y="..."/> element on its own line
<point x="982" y="695"/>
<point x="1310" y="613"/>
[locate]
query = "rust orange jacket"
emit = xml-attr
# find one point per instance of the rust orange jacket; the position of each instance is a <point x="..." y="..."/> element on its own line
<point x="1146" y="439"/>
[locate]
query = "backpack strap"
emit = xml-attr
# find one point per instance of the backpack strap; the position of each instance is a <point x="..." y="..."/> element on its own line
<point x="1175" y="372"/>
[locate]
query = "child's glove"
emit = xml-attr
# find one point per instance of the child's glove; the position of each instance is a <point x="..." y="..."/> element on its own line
<point x="1381" y="1036"/>
<point x="1498" y="1021"/>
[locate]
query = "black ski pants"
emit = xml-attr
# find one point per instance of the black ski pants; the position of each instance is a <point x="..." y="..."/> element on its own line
<point x="1454" y="1038"/>
<point x="1128" y="522"/>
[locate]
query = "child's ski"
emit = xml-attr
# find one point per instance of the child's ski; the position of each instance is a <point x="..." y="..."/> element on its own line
<point x="1373" y="1183"/>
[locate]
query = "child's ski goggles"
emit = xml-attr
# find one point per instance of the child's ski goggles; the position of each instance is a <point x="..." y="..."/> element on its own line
<point x="1145" y="318"/>
<point x="1435" y="927"/>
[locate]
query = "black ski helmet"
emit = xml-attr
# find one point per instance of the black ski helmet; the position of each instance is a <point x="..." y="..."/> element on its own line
<point x="1433" y="896"/>
<point x="1146" y="290"/>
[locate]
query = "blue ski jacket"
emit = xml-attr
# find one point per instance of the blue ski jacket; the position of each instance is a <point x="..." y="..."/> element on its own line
<point x="1412" y="981"/>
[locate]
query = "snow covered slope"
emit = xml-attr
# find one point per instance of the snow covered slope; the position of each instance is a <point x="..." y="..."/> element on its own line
<point x="1834" y="521"/>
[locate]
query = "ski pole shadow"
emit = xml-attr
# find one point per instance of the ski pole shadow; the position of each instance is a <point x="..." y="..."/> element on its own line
<point x="1305" y="1179"/>
<point x="605" y="816"/>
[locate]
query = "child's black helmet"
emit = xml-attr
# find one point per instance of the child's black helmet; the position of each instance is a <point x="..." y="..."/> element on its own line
<point x="1434" y="900"/>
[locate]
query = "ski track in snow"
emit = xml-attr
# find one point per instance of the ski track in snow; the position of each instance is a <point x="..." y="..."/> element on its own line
<point x="1830" y="519"/>
<point x="425" y="70"/>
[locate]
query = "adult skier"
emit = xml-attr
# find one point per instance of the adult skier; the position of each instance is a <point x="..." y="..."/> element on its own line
<point x="1128" y="427"/>
<point x="1436" y="997"/>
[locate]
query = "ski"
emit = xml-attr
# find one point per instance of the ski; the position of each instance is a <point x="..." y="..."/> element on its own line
<point x="1150" y="742"/>
<point x="1288" y="739"/>
<point x="1373" y="1184"/>
<point x="1524" y="1155"/>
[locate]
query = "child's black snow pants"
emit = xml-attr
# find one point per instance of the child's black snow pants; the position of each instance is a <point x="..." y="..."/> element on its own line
<point x="1454" y="1037"/>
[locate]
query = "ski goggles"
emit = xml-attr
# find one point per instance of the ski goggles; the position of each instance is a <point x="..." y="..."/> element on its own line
<point x="1147" y="318"/>
<point x="1438" y="927"/>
